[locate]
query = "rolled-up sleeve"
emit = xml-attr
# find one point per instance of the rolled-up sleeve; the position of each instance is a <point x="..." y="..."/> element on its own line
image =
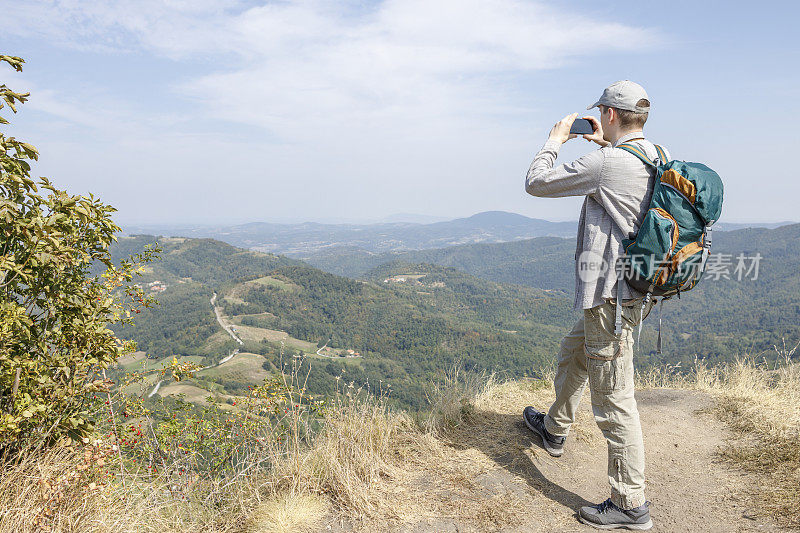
<point x="578" y="178"/>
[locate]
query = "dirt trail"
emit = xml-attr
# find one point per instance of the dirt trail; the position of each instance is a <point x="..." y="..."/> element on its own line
<point x="493" y="475"/>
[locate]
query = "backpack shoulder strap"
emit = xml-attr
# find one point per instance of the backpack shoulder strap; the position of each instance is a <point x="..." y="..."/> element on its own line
<point x="661" y="154"/>
<point x="635" y="150"/>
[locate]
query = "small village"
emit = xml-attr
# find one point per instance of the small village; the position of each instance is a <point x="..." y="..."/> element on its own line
<point x="334" y="353"/>
<point x="156" y="286"/>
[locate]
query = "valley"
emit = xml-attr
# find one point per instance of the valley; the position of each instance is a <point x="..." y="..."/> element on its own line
<point x="403" y="319"/>
<point x="402" y="335"/>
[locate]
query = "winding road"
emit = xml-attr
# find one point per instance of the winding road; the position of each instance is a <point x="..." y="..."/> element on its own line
<point x="227" y="327"/>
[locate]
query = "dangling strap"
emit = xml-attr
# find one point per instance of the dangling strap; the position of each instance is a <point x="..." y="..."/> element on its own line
<point x="706" y="246"/>
<point x="658" y="343"/>
<point x="618" y="316"/>
<point x="641" y="314"/>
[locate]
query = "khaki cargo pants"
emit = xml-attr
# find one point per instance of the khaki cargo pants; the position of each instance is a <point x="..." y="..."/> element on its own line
<point x="592" y="353"/>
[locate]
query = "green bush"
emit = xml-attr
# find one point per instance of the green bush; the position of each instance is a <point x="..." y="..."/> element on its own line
<point x="54" y="343"/>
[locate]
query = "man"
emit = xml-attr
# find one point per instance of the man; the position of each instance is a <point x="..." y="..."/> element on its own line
<point x="617" y="187"/>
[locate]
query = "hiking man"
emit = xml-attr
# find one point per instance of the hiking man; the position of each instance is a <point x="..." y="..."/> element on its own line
<point x="617" y="188"/>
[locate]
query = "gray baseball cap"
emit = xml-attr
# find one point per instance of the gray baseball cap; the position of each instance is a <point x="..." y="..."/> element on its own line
<point x="623" y="95"/>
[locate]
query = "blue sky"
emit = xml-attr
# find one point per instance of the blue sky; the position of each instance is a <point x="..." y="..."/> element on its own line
<point x="222" y="112"/>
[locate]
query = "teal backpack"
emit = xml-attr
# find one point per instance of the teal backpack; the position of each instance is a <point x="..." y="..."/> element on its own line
<point x="669" y="253"/>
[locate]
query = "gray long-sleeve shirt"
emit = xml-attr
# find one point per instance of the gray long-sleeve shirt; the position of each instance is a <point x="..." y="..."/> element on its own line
<point x="617" y="187"/>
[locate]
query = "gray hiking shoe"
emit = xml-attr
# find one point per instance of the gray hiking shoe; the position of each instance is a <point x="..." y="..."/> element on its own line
<point x="535" y="421"/>
<point x="606" y="515"/>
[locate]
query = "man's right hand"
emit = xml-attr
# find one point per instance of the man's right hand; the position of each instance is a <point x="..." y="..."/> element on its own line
<point x="597" y="135"/>
<point x="560" y="131"/>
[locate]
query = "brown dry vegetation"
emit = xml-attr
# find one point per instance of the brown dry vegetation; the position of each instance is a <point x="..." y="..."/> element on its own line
<point x="374" y="469"/>
<point x="762" y="405"/>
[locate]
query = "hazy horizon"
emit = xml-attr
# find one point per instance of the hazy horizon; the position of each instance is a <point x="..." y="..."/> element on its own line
<point x="401" y="217"/>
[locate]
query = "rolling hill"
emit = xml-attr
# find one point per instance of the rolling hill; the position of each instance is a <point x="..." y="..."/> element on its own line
<point x="403" y="327"/>
<point x="406" y="320"/>
<point x="718" y="320"/>
<point x="542" y="262"/>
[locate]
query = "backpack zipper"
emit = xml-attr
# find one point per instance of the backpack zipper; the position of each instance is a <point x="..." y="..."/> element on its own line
<point x="685" y="198"/>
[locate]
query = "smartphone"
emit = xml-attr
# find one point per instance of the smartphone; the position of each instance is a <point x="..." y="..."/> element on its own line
<point x="581" y="126"/>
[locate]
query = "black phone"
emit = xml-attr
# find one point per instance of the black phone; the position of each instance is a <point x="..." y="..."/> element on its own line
<point x="582" y="126"/>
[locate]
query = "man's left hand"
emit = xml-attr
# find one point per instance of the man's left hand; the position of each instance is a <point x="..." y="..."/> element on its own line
<point x="560" y="131"/>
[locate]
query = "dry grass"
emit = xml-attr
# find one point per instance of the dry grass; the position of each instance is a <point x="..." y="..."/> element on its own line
<point x="291" y="485"/>
<point x="378" y="469"/>
<point x="52" y="491"/>
<point x="760" y="402"/>
<point x="42" y="492"/>
<point x="367" y="465"/>
<point x="288" y="514"/>
<point x="454" y="397"/>
<point x="356" y="457"/>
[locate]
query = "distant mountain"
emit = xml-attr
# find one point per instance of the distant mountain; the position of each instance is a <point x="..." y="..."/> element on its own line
<point x="731" y="226"/>
<point x="303" y="240"/>
<point x="720" y="319"/>
<point x="399" y="233"/>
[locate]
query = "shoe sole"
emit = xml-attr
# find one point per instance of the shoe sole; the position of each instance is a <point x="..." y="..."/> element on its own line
<point x="552" y="451"/>
<point x="638" y="527"/>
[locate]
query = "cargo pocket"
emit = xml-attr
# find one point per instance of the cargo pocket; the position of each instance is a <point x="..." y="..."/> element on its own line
<point x="598" y="323"/>
<point x="632" y="314"/>
<point x="605" y="375"/>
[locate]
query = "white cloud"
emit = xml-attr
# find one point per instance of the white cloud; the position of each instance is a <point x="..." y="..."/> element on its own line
<point x="401" y="89"/>
<point x="297" y="67"/>
<point x="308" y="74"/>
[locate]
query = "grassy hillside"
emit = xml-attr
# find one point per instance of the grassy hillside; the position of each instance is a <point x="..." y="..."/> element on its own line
<point x="400" y="333"/>
<point x="203" y="260"/>
<point x="542" y="262"/>
<point x="188" y="270"/>
<point x="406" y="332"/>
<point x="716" y="320"/>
